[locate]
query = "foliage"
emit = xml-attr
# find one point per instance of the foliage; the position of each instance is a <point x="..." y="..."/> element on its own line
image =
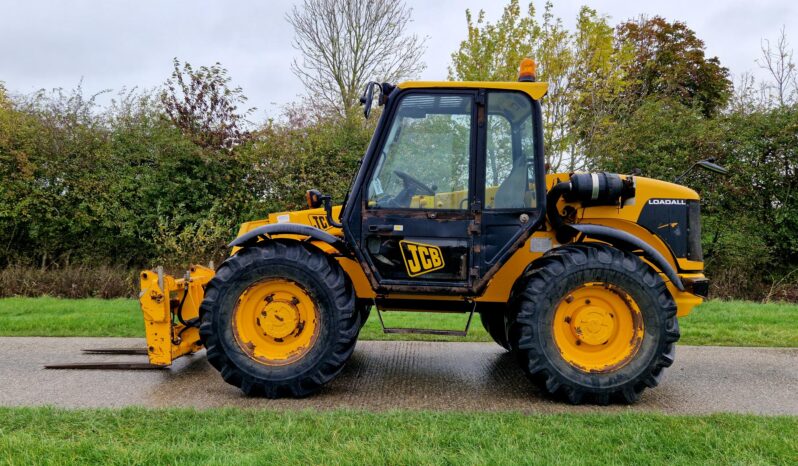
<point x="778" y="62"/>
<point x="346" y="43"/>
<point x="73" y="281"/>
<point x="97" y="187"/>
<point x="289" y="159"/>
<point x="670" y="62"/>
<point x="582" y="69"/>
<point x="750" y="217"/>
<point x="204" y="107"/>
<point x="492" y="52"/>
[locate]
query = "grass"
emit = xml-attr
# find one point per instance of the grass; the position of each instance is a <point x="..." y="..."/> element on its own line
<point x="728" y="323"/>
<point x="57" y="317"/>
<point x="740" y="323"/>
<point x="235" y="436"/>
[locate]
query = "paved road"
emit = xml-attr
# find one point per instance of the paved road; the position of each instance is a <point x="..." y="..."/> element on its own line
<point x="393" y="375"/>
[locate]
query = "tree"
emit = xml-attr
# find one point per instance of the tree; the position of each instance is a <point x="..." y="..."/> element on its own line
<point x="599" y="85"/>
<point x="778" y="63"/>
<point x="492" y="52"/>
<point x="670" y="62"/>
<point x="201" y="103"/>
<point x="346" y="43"/>
<point x="582" y="69"/>
<point x="3" y="97"/>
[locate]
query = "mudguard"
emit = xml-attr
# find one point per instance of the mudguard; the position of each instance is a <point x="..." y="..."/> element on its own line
<point x="624" y="240"/>
<point x="266" y="231"/>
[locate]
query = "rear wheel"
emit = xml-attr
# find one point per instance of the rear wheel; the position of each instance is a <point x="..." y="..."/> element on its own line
<point x="495" y="322"/>
<point x="594" y="322"/>
<point x="279" y="320"/>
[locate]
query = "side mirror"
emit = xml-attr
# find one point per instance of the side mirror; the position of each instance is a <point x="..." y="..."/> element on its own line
<point x="368" y="97"/>
<point x="709" y="164"/>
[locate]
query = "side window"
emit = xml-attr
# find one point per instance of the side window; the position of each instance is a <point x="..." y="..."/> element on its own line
<point x="510" y="158"/>
<point x="424" y="161"/>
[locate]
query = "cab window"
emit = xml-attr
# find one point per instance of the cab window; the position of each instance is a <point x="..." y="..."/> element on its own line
<point x="424" y="161"/>
<point x="509" y="164"/>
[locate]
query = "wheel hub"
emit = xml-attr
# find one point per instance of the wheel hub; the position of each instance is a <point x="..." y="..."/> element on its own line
<point x="598" y="328"/>
<point x="278" y="319"/>
<point x="593" y="325"/>
<point x="275" y="321"/>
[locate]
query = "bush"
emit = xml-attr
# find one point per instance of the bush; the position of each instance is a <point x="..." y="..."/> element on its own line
<point x="749" y="217"/>
<point x="69" y="282"/>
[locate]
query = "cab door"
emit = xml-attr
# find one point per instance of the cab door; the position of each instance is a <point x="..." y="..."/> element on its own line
<point x="416" y="227"/>
<point x="511" y="178"/>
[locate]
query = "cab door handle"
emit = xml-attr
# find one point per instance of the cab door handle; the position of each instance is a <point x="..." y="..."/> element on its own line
<point x="380" y="228"/>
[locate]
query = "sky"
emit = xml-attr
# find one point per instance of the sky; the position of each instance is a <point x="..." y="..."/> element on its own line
<point x="110" y="44"/>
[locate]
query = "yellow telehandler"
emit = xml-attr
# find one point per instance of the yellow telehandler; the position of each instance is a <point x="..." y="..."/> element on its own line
<point x="582" y="276"/>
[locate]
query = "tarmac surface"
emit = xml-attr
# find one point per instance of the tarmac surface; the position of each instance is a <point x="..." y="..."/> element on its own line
<point x="394" y="375"/>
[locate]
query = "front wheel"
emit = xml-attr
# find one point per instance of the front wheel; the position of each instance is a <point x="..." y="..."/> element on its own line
<point x="594" y="322"/>
<point x="279" y="319"/>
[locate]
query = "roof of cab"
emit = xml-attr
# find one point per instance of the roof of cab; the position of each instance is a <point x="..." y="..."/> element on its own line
<point x="536" y="90"/>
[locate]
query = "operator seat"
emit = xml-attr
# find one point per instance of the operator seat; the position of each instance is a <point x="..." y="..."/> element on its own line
<point x="512" y="191"/>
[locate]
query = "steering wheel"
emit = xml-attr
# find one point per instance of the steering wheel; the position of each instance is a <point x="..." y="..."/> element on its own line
<point x="411" y="182"/>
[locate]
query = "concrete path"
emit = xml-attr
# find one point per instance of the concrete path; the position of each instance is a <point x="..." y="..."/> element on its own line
<point x="395" y="375"/>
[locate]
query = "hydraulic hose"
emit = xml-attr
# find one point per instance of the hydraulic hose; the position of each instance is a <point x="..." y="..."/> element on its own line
<point x="552" y="198"/>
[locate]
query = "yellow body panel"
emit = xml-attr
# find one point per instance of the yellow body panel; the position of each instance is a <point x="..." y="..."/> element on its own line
<point x="536" y="90"/>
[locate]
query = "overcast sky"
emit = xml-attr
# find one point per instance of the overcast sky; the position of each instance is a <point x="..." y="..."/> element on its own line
<point x="114" y="44"/>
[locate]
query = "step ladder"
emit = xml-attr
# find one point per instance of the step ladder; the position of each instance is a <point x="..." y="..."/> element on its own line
<point x="427" y="331"/>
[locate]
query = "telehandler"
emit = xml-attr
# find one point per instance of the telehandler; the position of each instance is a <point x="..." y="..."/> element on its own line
<point x="581" y="276"/>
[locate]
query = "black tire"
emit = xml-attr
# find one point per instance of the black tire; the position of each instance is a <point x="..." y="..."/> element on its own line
<point x="495" y="322"/>
<point x="330" y="290"/>
<point x="550" y="280"/>
<point x="364" y="309"/>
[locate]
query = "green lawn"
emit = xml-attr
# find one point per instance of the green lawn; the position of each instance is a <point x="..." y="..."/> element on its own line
<point x="235" y="436"/>
<point x="731" y="323"/>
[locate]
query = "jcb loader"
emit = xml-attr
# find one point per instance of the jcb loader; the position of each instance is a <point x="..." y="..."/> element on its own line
<point x="581" y="276"/>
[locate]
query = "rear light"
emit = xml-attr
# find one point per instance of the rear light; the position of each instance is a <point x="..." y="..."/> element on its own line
<point x="697" y="286"/>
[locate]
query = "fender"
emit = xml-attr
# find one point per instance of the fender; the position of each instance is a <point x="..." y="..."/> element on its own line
<point x="624" y="240"/>
<point x="266" y="231"/>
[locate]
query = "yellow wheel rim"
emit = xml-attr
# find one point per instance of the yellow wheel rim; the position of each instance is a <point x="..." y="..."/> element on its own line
<point x="598" y="328"/>
<point x="275" y="321"/>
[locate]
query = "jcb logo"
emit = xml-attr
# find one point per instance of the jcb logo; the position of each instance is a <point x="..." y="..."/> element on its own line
<point x="421" y="258"/>
<point x="319" y="221"/>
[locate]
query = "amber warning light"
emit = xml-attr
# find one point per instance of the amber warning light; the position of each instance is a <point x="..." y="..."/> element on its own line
<point x="527" y="70"/>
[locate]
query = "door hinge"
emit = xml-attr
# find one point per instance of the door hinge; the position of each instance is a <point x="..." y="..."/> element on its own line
<point x="474" y="228"/>
<point x="481" y="100"/>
